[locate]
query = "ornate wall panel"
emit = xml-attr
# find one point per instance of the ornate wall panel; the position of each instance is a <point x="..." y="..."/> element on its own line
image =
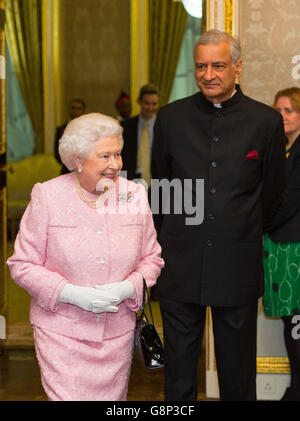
<point x="95" y="50"/>
<point x="270" y="39"/>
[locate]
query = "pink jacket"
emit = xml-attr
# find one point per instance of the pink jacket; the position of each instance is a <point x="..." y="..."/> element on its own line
<point x="61" y="239"/>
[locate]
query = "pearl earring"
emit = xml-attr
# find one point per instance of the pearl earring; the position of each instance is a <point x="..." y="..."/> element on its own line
<point x="79" y="169"/>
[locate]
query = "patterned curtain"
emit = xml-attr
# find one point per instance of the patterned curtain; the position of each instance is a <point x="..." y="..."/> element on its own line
<point x="167" y="22"/>
<point x="24" y="36"/>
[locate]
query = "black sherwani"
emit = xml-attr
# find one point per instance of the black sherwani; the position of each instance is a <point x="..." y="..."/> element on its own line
<point x="220" y="261"/>
<point x="238" y="151"/>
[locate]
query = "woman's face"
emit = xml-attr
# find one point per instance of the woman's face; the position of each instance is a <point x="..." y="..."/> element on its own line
<point x="103" y="162"/>
<point x="291" y="118"/>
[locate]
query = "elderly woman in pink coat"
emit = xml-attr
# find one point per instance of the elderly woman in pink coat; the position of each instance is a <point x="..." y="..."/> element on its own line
<point x="85" y="243"/>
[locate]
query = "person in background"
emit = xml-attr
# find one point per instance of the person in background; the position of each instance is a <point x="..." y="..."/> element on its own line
<point x="85" y="243"/>
<point x="282" y="243"/>
<point x="138" y="138"/>
<point x="138" y="135"/>
<point x="234" y="145"/>
<point x="123" y="106"/>
<point x="76" y="109"/>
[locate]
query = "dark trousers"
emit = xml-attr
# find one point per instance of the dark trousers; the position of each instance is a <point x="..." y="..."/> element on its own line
<point x="235" y="349"/>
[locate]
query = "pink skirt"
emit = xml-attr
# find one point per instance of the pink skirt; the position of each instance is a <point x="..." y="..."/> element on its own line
<point x="76" y="370"/>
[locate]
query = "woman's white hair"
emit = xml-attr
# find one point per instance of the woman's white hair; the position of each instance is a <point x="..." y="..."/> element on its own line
<point x="83" y="132"/>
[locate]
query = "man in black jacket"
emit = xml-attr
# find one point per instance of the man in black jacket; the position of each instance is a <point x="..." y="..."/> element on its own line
<point x="236" y="145"/>
<point x="133" y="130"/>
<point x="134" y="151"/>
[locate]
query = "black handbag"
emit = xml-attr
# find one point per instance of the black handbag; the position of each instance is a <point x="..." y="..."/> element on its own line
<point x="146" y="338"/>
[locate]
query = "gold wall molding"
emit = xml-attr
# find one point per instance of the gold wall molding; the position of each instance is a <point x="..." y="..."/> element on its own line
<point x="139" y="49"/>
<point x="268" y="365"/>
<point x="275" y="365"/>
<point x="207" y="332"/>
<point x="46" y="70"/>
<point x="222" y="15"/>
<point x="228" y="16"/>
<point x="51" y="73"/>
<point x="2" y="80"/>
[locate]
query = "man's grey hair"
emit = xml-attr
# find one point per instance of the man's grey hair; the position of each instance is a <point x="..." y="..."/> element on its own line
<point x="214" y="36"/>
<point x="82" y="134"/>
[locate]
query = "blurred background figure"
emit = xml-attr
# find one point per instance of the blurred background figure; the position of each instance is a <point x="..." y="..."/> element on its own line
<point x="77" y="108"/>
<point x="138" y="135"/>
<point x="123" y="106"/>
<point x="138" y="138"/>
<point x="282" y="243"/>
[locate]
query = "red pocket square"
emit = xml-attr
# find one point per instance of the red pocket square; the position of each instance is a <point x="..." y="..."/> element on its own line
<point x="252" y="155"/>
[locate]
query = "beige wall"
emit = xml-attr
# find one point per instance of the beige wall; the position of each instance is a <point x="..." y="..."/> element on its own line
<point x="270" y="38"/>
<point x="95" y="51"/>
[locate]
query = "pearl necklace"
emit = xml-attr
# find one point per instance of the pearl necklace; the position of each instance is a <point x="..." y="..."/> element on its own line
<point x="92" y="203"/>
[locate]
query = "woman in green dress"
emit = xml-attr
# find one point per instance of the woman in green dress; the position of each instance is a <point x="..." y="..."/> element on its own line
<point x="282" y="243"/>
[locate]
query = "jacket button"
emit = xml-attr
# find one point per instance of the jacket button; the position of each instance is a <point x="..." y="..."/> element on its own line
<point x="212" y="190"/>
<point x="211" y="216"/>
<point x="214" y="164"/>
<point x="209" y="243"/>
<point x="215" y="139"/>
<point x="102" y="260"/>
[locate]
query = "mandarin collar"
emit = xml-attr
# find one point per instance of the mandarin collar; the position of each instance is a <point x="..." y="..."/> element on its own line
<point x="235" y="99"/>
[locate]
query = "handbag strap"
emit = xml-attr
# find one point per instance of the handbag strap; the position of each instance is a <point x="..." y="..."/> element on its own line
<point x="145" y="292"/>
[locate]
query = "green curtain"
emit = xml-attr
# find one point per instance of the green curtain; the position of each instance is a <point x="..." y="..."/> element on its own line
<point x="24" y="35"/>
<point x="19" y="132"/>
<point x="167" y="22"/>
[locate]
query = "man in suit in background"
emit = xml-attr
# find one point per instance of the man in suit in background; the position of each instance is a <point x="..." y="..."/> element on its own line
<point x="77" y="108"/>
<point x="138" y="138"/>
<point x="237" y="146"/>
<point x="138" y="135"/>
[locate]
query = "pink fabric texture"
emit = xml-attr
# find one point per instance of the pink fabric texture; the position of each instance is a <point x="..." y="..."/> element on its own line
<point x="74" y="370"/>
<point x="61" y="239"/>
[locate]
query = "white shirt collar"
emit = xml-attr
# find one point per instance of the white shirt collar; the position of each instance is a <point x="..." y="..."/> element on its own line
<point x="220" y="105"/>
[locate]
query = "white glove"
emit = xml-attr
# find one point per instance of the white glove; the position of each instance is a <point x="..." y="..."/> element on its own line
<point x="117" y="291"/>
<point x="88" y="298"/>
